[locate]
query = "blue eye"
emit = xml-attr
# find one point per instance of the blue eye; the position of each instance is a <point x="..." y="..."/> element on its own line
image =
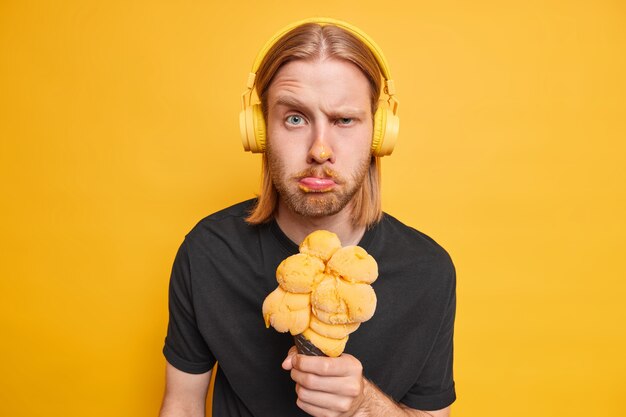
<point x="345" y="120"/>
<point x="294" y="119"/>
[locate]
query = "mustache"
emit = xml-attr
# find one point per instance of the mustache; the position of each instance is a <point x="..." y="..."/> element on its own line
<point x="321" y="172"/>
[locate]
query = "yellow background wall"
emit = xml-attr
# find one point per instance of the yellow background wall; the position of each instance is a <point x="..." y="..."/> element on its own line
<point x="119" y="131"/>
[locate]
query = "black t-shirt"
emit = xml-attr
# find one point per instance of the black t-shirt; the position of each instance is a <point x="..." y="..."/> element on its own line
<point x="224" y="270"/>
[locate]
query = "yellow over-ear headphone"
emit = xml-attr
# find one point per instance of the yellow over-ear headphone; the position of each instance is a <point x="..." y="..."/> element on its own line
<point x="386" y="121"/>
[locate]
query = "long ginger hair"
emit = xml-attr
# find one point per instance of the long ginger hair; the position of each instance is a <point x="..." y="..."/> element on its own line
<point x="308" y="42"/>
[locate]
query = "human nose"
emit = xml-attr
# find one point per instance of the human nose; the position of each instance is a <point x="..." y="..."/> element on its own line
<point x="320" y="150"/>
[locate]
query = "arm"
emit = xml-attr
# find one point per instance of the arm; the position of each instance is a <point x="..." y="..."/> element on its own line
<point x="377" y="403"/>
<point x="185" y="394"/>
<point x="336" y="387"/>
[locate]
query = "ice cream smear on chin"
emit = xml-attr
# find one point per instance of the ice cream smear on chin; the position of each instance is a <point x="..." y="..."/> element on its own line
<point x="323" y="293"/>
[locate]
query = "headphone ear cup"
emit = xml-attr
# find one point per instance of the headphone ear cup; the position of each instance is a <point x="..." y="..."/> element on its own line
<point x="252" y="129"/>
<point x="392" y="126"/>
<point x="378" y="134"/>
<point x="259" y="129"/>
<point x="386" y="125"/>
<point x="243" y="128"/>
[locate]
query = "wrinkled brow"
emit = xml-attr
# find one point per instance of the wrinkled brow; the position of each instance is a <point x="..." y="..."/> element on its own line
<point x="288" y="101"/>
<point x="295" y="103"/>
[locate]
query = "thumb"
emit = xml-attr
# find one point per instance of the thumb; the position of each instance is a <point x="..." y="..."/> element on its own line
<point x="288" y="362"/>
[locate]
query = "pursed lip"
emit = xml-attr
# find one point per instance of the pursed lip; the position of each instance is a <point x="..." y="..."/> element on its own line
<point x="316" y="184"/>
<point x="318" y="180"/>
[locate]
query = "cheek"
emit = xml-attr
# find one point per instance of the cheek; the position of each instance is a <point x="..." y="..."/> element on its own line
<point x="358" y="143"/>
<point x="288" y="145"/>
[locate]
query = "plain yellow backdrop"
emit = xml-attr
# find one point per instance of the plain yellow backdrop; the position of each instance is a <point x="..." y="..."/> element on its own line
<point x="119" y="131"/>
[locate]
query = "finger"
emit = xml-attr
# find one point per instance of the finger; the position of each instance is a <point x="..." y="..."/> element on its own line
<point x="288" y="361"/>
<point x="314" y="410"/>
<point x="344" y="365"/>
<point x="344" y="386"/>
<point x="311" y="409"/>
<point x="318" y="403"/>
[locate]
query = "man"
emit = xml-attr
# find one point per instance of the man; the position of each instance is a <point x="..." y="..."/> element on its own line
<point x="318" y="86"/>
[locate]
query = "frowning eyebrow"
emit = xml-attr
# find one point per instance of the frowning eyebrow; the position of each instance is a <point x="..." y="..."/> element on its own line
<point x="288" y="101"/>
<point x="341" y="112"/>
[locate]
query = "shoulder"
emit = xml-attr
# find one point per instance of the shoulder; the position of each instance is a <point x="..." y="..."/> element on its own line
<point x="412" y="256"/>
<point x="235" y="212"/>
<point x="405" y="238"/>
<point x="227" y="226"/>
<point x="227" y="218"/>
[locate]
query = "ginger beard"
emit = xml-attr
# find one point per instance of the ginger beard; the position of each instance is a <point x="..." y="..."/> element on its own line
<point x="311" y="203"/>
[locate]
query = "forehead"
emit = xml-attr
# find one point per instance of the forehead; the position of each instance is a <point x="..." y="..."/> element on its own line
<point x="332" y="81"/>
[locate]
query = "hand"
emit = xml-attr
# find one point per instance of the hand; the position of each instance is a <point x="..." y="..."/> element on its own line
<point x="326" y="387"/>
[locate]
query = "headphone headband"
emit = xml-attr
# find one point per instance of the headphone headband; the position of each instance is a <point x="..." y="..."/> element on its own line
<point x="323" y="21"/>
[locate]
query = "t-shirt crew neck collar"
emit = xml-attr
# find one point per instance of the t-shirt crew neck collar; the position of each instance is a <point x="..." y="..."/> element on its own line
<point x="290" y="247"/>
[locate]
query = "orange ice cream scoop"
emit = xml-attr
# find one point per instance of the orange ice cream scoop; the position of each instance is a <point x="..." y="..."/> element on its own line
<point x="298" y="273"/>
<point x="335" y="301"/>
<point x="330" y="347"/>
<point x="326" y="296"/>
<point x="321" y="243"/>
<point x="359" y="299"/>
<point x="333" y="331"/>
<point x="353" y="264"/>
<point x="330" y="317"/>
<point x="287" y="312"/>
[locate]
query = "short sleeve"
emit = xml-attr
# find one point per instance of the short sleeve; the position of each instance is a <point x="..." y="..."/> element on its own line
<point x="185" y="348"/>
<point x="435" y="389"/>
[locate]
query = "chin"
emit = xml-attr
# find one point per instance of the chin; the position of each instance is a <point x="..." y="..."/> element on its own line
<point x="316" y="204"/>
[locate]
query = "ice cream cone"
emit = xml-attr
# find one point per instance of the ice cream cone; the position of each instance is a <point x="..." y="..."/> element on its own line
<point x="305" y="346"/>
<point x="323" y="294"/>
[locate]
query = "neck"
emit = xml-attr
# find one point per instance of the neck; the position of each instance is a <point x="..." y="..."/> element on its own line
<point x="296" y="227"/>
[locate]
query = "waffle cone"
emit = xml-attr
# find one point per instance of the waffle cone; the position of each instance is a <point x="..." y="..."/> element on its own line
<point x="305" y="347"/>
